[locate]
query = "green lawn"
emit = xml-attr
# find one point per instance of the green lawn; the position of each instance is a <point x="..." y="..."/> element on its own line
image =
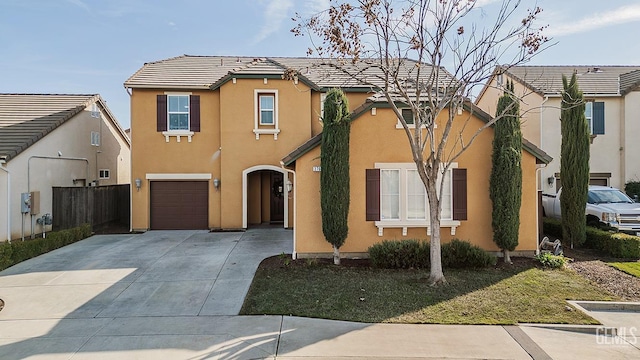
<point x="523" y="294"/>
<point x="631" y="268"/>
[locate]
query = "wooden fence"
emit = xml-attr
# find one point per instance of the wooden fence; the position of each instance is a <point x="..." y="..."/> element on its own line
<point x="98" y="206"/>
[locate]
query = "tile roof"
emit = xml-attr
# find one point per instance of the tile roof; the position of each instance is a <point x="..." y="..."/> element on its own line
<point x="26" y="118"/>
<point x="205" y="72"/>
<point x="593" y="80"/>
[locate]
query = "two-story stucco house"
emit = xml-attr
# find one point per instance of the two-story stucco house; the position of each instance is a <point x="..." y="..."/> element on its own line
<point x="51" y="140"/>
<point x="612" y="95"/>
<point x="229" y="143"/>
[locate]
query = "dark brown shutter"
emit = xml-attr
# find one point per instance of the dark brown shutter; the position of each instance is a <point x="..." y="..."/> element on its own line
<point x="194" y="116"/>
<point x="162" y="112"/>
<point x="459" y="194"/>
<point x="373" y="194"/>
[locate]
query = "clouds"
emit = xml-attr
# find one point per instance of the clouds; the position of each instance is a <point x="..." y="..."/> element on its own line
<point x="80" y="4"/>
<point x="621" y="15"/>
<point x="275" y="13"/>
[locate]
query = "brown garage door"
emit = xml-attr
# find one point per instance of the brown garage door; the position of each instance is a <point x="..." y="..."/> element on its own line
<point x="179" y="205"/>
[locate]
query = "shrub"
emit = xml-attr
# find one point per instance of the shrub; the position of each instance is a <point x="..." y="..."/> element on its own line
<point x="403" y="254"/>
<point x="18" y="251"/>
<point x="551" y="261"/>
<point x="615" y="244"/>
<point x="406" y="254"/>
<point x="552" y="227"/>
<point x="462" y="254"/>
<point x="632" y="188"/>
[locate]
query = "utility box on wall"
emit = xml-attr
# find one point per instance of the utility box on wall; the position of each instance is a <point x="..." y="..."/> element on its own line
<point x="35" y="202"/>
<point x="25" y="203"/>
<point x="30" y="203"/>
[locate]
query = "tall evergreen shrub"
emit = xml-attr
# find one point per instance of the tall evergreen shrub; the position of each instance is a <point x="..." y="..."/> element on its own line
<point x="506" y="173"/>
<point x="334" y="177"/>
<point x="574" y="163"/>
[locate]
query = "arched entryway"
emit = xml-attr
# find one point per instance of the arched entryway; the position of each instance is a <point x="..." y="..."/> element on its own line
<point x="265" y="196"/>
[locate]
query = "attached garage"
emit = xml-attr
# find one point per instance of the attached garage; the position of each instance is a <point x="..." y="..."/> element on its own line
<point x="179" y="205"/>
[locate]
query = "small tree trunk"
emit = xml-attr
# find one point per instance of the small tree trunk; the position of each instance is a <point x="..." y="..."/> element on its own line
<point x="507" y="257"/>
<point x="336" y="255"/>
<point x="436" y="276"/>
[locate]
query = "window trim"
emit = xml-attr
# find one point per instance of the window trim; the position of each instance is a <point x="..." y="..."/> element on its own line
<point x="177" y="133"/>
<point x="258" y="126"/>
<point x="169" y="112"/>
<point x="413" y="125"/>
<point x="102" y="173"/>
<point x="95" y="138"/>
<point x="403" y="222"/>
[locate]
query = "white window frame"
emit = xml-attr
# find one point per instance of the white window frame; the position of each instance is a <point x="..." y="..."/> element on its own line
<point x="104" y="174"/>
<point x="411" y="126"/>
<point x="323" y="97"/>
<point x="258" y="126"/>
<point x="95" y="138"/>
<point x="169" y="112"/>
<point x="589" y="104"/>
<point x="403" y="221"/>
<point x="178" y="133"/>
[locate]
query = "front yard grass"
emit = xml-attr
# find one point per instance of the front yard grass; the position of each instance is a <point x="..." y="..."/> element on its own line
<point x="521" y="294"/>
<point x="631" y="268"/>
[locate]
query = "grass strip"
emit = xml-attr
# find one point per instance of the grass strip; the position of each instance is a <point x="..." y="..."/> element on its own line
<point x="363" y="294"/>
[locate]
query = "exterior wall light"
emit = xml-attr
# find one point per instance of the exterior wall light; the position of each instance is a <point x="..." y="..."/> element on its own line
<point x="138" y="182"/>
<point x="216" y="183"/>
<point x="289" y="185"/>
<point x="550" y="180"/>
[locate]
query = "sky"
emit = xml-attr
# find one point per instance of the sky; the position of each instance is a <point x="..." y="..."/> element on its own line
<point x="93" y="46"/>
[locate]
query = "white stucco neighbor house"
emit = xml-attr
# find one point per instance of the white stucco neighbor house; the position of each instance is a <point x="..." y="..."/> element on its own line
<point x="51" y="140"/>
<point x="612" y="95"/>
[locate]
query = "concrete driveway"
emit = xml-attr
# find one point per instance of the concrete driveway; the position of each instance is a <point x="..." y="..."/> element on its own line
<point x="63" y="301"/>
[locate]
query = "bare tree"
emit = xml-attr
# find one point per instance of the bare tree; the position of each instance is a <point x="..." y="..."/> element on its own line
<point x="429" y="56"/>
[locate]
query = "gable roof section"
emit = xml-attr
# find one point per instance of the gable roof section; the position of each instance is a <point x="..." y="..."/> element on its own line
<point x="592" y="80"/>
<point x="210" y="72"/>
<point x="541" y="156"/>
<point x="27" y="118"/>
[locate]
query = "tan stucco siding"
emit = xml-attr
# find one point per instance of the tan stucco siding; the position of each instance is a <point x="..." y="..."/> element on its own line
<point x="530" y="106"/>
<point x="240" y="148"/>
<point x="391" y="145"/>
<point x="151" y="153"/>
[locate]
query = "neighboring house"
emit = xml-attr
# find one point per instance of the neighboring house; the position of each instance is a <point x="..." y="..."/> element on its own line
<point x="612" y="95"/>
<point x="49" y="140"/>
<point x="227" y="143"/>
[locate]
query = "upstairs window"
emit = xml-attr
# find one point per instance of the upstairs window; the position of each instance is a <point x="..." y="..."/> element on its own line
<point x="178" y="112"/>
<point x="95" y="138"/>
<point x="407" y="115"/>
<point x="266" y="113"/>
<point x="267" y="108"/>
<point x="594" y="113"/>
<point x="178" y="115"/>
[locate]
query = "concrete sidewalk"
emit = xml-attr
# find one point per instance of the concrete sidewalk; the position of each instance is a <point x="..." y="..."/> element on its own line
<point x="175" y="295"/>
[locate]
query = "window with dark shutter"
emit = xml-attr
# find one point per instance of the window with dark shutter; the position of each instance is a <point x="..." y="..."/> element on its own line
<point x="459" y="194"/>
<point x="373" y="194"/>
<point x="598" y="118"/>
<point x="194" y="117"/>
<point x="161" y="113"/>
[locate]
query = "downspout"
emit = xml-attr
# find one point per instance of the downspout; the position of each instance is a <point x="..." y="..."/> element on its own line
<point x="539" y="167"/>
<point x="3" y="167"/>
<point x="50" y="158"/>
<point x="294" y="255"/>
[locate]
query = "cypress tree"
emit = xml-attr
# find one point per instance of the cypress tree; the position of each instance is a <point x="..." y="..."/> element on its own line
<point x="574" y="163"/>
<point x="334" y="177"/>
<point x="506" y="173"/>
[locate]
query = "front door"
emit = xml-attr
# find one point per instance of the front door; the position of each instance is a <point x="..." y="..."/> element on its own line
<point x="277" y="197"/>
